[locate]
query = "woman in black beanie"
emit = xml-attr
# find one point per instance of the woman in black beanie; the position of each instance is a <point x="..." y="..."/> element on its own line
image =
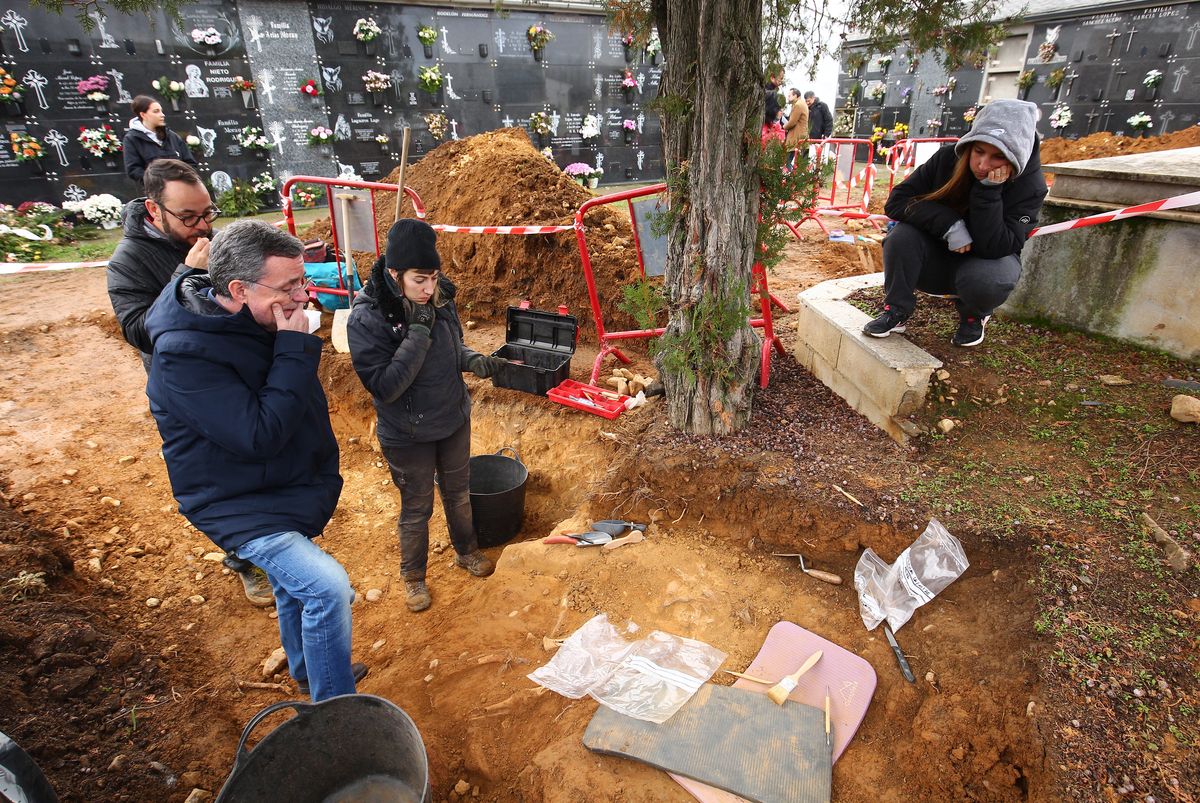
<point x="407" y="348"/>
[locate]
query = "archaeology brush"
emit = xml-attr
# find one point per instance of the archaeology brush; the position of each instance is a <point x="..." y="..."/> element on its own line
<point x="780" y="691"/>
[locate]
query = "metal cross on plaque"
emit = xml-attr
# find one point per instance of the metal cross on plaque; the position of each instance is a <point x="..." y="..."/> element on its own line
<point x="1129" y="44"/>
<point x="75" y="193"/>
<point x="1071" y="76"/>
<point x="1112" y="38"/>
<point x="36" y="81"/>
<point x="1091" y="118"/>
<point x="1192" y="33"/>
<point x="1118" y="75"/>
<point x="1179" y="74"/>
<point x="1166" y="118"/>
<point x="55" y="139"/>
<point x="12" y="19"/>
<point x="449" y="51"/>
<point x="453" y="125"/>
<point x="123" y="95"/>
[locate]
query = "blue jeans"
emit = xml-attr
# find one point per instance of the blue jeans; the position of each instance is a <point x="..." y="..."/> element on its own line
<point x="312" y="599"/>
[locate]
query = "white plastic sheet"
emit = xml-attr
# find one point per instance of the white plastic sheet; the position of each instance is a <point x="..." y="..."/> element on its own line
<point x="935" y="560"/>
<point x="648" y="679"/>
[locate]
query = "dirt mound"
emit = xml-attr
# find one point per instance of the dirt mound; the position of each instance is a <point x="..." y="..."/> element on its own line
<point x="500" y="179"/>
<point x="1098" y="145"/>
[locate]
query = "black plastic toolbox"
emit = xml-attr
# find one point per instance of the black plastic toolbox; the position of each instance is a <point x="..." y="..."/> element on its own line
<point x="541" y="343"/>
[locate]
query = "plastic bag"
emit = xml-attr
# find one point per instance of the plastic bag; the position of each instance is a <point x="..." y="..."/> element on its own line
<point x="935" y="560"/>
<point x="648" y="679"/>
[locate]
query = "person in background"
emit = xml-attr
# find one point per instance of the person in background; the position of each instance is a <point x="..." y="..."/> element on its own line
<point x="964" y="217"/>
<point x="820" y="119"/>
<point x="796" y="127"/>
<point x="148" y="138"/>
<point x="772" y="108"/>
<point x="249" y="448"/>
<point x="166" y="235"/>
<point x="406" y="344"/>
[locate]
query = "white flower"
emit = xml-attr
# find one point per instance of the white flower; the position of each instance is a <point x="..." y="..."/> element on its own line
<point x="176" y="86"/>
<point x="590" y="127"/>
<point x="192" y="140"/>
<point x="156" y="84"/>
<point x="97" y="208"/>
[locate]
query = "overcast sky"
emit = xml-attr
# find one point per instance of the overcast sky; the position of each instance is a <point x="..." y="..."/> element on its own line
<point x="825" y="84"/>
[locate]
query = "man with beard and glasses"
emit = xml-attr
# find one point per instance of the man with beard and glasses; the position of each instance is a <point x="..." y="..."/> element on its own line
<point x="167" y="234"/>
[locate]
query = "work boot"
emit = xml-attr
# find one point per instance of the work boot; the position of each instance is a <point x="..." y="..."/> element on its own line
<point x="416" y="595"/>
<point x="258" y="587"/>
<point x="888" y="321"/>
<point x="476" y="563"/>
<point x="359" y="671"/>
<point x="970" y="330"/>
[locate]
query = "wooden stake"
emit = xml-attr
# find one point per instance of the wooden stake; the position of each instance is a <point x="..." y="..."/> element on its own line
<point x="403" y="164"/>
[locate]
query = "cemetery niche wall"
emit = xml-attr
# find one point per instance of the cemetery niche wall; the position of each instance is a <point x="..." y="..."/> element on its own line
<point x="1089" y="67"/>
<point x="289" y="88"/>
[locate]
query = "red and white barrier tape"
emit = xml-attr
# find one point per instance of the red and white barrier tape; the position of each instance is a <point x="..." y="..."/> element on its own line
<point x="1177" y="202"/>
<point x="31" y="267"/>
<point x="502" y="229"/>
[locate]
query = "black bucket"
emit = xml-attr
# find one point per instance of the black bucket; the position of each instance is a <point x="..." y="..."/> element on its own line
<point x="349" y="748"/>
<point x="20" y="776"/>
<point x="497" y="496"/>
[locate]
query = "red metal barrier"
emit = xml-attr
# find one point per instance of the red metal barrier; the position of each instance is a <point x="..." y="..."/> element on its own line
<point x="839" y="194"/>
<point x="902" y="157"/>
<point x="607" y="339"/>
<point x="343" y="288"/>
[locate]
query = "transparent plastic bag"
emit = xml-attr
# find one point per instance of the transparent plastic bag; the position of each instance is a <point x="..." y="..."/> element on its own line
<point x="648" y="679"/>
<point x="935" y="560"/>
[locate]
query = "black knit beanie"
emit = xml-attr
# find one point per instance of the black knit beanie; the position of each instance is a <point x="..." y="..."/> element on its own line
<point x="412" y="243"/>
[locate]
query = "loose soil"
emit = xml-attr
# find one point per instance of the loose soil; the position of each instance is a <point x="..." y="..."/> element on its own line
<point x="500" y="179"/>
<point x="1062" y="665"/>
<point x="1096" y="146"/>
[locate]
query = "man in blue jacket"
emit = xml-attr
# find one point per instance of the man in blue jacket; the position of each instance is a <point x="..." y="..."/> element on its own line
<point x="246" y="436"/>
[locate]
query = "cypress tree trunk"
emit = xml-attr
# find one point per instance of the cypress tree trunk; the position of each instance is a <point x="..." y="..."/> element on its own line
<point x="712" y="105"/>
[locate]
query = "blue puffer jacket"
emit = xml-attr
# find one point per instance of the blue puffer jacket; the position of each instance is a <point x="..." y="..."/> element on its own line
<point x="243" y="418"/>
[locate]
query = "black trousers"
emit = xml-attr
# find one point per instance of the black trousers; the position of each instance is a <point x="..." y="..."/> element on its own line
<point x="914" y="260"/>
<point x="413" y="466"/>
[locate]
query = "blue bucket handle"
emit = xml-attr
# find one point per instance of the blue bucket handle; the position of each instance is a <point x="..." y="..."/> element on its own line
<point x="516" y="456"/>
<point x="301" y="709"/>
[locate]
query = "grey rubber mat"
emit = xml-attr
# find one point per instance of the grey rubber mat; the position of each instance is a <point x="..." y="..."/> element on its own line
<point x="732" y="739"/>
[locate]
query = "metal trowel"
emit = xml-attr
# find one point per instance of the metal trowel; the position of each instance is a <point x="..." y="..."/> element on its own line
<point x="615" y="527"/>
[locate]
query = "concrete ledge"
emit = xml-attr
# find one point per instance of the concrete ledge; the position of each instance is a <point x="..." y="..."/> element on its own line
<point x="885" y="379"/>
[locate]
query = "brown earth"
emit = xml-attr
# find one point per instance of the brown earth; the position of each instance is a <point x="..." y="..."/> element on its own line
<point x="1096" y="146"/>
<point x="993" y="716"/>
<point x="500" y="179"/>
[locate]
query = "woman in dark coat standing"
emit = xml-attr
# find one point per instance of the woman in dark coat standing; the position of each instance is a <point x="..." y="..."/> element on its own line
<point x="407" y="348"/>
<point x="148" y="138"/>
<point x="963" y="218"/>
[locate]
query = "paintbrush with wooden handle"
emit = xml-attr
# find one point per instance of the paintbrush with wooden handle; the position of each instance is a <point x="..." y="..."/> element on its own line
<point x="780" y="691"/>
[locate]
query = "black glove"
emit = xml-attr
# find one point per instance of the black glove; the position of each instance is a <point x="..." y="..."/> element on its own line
<point x="418" y="314"/>
<point x="485" y="367"/>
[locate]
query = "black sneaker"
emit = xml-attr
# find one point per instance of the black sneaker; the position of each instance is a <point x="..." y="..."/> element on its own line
<point x="889" y="321"/>
<point x="970" y="330"/>
<point x="358" y="670"/>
